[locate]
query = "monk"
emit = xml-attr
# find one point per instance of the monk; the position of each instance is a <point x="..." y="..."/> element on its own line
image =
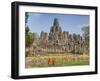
<point x="51" y="61"/>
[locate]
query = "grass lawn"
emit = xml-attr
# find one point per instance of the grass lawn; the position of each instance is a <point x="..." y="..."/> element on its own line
<point x="54" y="60"/>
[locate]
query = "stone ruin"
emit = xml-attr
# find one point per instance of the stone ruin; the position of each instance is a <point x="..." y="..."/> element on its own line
<point x="58" y="41"/>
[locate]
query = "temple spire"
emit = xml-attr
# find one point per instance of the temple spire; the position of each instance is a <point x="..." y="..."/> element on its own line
<point x="56" y="23"/>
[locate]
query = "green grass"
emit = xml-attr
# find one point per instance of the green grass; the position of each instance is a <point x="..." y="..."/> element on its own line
<point x="59" y="60"/>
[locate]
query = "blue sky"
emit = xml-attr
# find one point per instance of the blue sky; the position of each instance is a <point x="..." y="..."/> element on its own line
<point x="38" y="22"/>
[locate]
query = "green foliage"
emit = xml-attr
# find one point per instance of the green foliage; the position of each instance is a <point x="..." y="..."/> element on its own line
<point x="28" y="35"/>
<point x="85" y="30"/>
<point x="26" y="29"/>
<point x="26" y="17"/>
<point x="28" y="39"/>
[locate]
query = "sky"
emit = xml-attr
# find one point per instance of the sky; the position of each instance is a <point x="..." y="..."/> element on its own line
<point x="38" y="22"/>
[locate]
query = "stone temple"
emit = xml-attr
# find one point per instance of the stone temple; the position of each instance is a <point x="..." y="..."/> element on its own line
<point x="58" y="41"/>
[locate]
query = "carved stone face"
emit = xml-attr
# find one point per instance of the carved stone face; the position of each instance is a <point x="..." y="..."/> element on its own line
<point x="61" y="40"/>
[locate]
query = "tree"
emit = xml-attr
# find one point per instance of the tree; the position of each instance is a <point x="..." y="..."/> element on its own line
<point x="26" y="30"/>
<point x="28" y="34"/>
<point x="26" y="20"/>
<point x="28" y="39"/>
<point x="85" y="30"/>
<point x="26" y="17"/>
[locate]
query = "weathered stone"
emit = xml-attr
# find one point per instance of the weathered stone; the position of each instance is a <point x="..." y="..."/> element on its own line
<point x="58" y="41"/>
